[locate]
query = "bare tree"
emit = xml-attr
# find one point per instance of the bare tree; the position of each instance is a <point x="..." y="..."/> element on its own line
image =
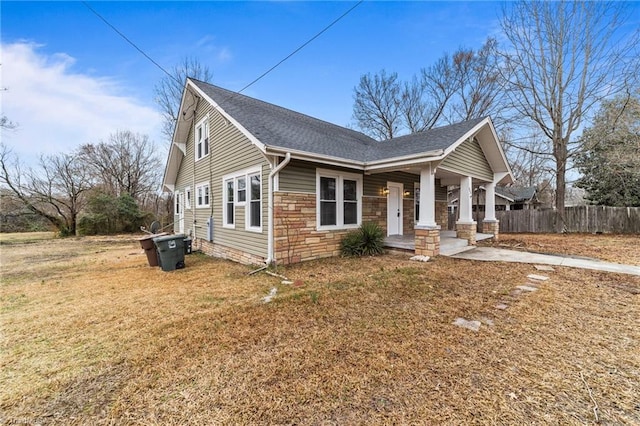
<point x="376" y="106"/>
<point x="54" y="190"/>
<point x="478" y="82"/>
<point x="455" y="88"/>
<point x="564" y="58"/>
<point x="169" y="90"/>
<point x="125" y="164"/>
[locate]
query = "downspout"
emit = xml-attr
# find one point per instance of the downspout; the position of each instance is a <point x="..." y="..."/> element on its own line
<point x="270" y="242"/>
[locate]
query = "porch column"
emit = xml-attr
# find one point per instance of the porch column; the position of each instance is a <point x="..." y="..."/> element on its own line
<point x="427" y="197"/>
<point x="490" y="225"/>
<point x="427" y="231"/>
<point x="466" y="226"/>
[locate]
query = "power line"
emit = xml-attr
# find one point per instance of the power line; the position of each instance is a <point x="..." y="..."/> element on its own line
<point x="130" y="42"/>
<point x="301" y="47"/>
<point x="305" y="44"/>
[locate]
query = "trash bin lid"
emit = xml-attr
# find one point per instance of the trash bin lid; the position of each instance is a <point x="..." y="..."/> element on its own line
<point x="152" y="236"/>
<point x="169" y="238"/>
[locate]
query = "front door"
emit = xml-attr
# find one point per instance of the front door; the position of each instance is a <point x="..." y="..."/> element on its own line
<point x="394" y="208"/>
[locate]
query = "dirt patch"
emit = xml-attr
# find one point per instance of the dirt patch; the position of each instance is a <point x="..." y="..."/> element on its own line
<point x="110" y="340"/>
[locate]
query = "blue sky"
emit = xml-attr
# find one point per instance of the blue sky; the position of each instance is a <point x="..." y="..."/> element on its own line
<point x="70" y="79"/>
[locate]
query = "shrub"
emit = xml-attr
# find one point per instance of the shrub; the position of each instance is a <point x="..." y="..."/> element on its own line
<point x="367" y="240"/>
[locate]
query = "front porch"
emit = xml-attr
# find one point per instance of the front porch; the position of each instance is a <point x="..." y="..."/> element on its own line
<point x="449" y="244"/>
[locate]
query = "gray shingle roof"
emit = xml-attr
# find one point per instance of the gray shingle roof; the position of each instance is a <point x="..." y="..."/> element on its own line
<point x="278" y="127"/>
<point x="517" y="193"/>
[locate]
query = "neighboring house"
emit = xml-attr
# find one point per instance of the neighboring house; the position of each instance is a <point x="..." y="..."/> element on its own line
<point x="256" y="183"/>
<point x="506" y="198"/>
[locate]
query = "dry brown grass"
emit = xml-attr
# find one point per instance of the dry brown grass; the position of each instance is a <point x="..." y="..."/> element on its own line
<point x="91" y="335"/>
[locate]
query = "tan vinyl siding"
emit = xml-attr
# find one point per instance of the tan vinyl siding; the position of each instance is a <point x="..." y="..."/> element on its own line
<point x="298" y="176"/>
<point x="468" y="159"/>
<point x="229" y="152"/>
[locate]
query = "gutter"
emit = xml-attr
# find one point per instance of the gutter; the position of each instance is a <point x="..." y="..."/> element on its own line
<point x="272" y="174"/>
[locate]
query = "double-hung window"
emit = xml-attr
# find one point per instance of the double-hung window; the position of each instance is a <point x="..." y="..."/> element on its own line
<point x="339" y="199"/>
<point x="202" y="195"/>
<point x="202" y="138"/>
<point x="255" y="202"/>
<point x="243" y="190"/>
<point x="229" y="210"/>
<point x="187" y="198"/>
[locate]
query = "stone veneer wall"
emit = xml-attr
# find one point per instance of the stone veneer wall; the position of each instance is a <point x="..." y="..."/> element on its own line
<point x="374" y="209"/>
<point x="296" y="237"/>
<point x="467" y="231"/>
<point x="408" y="215"/>
<point x="442" y="214"/>
<point x="427" y="241"/>
<point x="223" y="252"/>
<point x="491" y="227"/>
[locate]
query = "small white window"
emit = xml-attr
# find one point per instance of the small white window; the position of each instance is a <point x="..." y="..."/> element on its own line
<point x="187" y="198"/>
<point x="176" y="199"/>
<point x="229" y="208"/>
<point x="202" y="195"/>
<point x="202" y="138"/>
<point x="254" y="212"/>
<point x="241" y="188"/>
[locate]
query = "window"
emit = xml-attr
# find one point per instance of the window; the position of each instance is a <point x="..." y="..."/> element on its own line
<point x="328" y="204"/>
<point x="202" y="195"/>
<point x="176" y="199"/>
<point x="187" y="198"/>
<point x="255" y="201"/>
<point x="202" y="138"/>
<point x="229" y="206"/>
<point x="241" y="187"/>
<point x="339" y="199"/>
<point x="416" y="200"/>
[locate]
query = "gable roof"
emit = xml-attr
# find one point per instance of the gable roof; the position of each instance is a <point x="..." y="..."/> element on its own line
<point x="277" y="130"/>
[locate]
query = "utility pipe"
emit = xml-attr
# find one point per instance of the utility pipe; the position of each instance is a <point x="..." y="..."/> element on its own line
<point x="270" y="242"/>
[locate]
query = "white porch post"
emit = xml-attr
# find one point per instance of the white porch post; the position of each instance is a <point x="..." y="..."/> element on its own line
<point x="466" y="226"/>
<point x="427" y="231"/>
<point x="466" y="199"/>
<point x="427" y="197"/>
<point x="490" y="201"/>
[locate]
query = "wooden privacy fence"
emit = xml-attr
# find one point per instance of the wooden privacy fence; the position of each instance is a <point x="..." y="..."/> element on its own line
<point x="585" y="219"/>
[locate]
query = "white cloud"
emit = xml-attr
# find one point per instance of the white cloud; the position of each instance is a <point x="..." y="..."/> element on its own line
<point x="57" y="109"/>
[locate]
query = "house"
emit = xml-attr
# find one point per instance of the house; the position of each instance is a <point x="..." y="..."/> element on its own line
<point x="258" y="183"/>
<point x="506" y="198"/>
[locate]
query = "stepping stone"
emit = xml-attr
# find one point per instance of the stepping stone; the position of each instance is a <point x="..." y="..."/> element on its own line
<point x="544" y="268"/>
<point x="420" y="258"/>
<point x="538" y="277"/>
<point x="287" y="282"/>
<point x="515" y="292"/>
<point x="502" y="306"/>
<point x="487" y="321"/>
<point x="470" y="325"/>
<point x="527" y="288"/>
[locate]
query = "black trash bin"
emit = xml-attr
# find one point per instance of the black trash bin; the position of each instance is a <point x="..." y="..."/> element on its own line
<point x="149" y="248"/>
<point x="187" y="245"/>
<point x="170" y="251"/>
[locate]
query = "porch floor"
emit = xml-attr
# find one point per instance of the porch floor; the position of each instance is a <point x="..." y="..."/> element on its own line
<point x="449" y="244"/>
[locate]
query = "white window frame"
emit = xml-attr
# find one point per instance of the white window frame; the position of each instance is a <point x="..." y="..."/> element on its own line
<point x="203" y="123"/>
<point x="247" y="210"/>
<point x="340" y="178"/>
<point x="237" y="189"/>
<point x="176" y="203"/>
<point x="203" y="205"/>
<point x="187" y="198"/>
<point x="225" y="195"/>
<point x="246" y="174"/>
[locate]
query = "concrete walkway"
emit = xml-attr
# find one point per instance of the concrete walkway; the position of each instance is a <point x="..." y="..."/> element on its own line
<point x="491" y="254"/>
